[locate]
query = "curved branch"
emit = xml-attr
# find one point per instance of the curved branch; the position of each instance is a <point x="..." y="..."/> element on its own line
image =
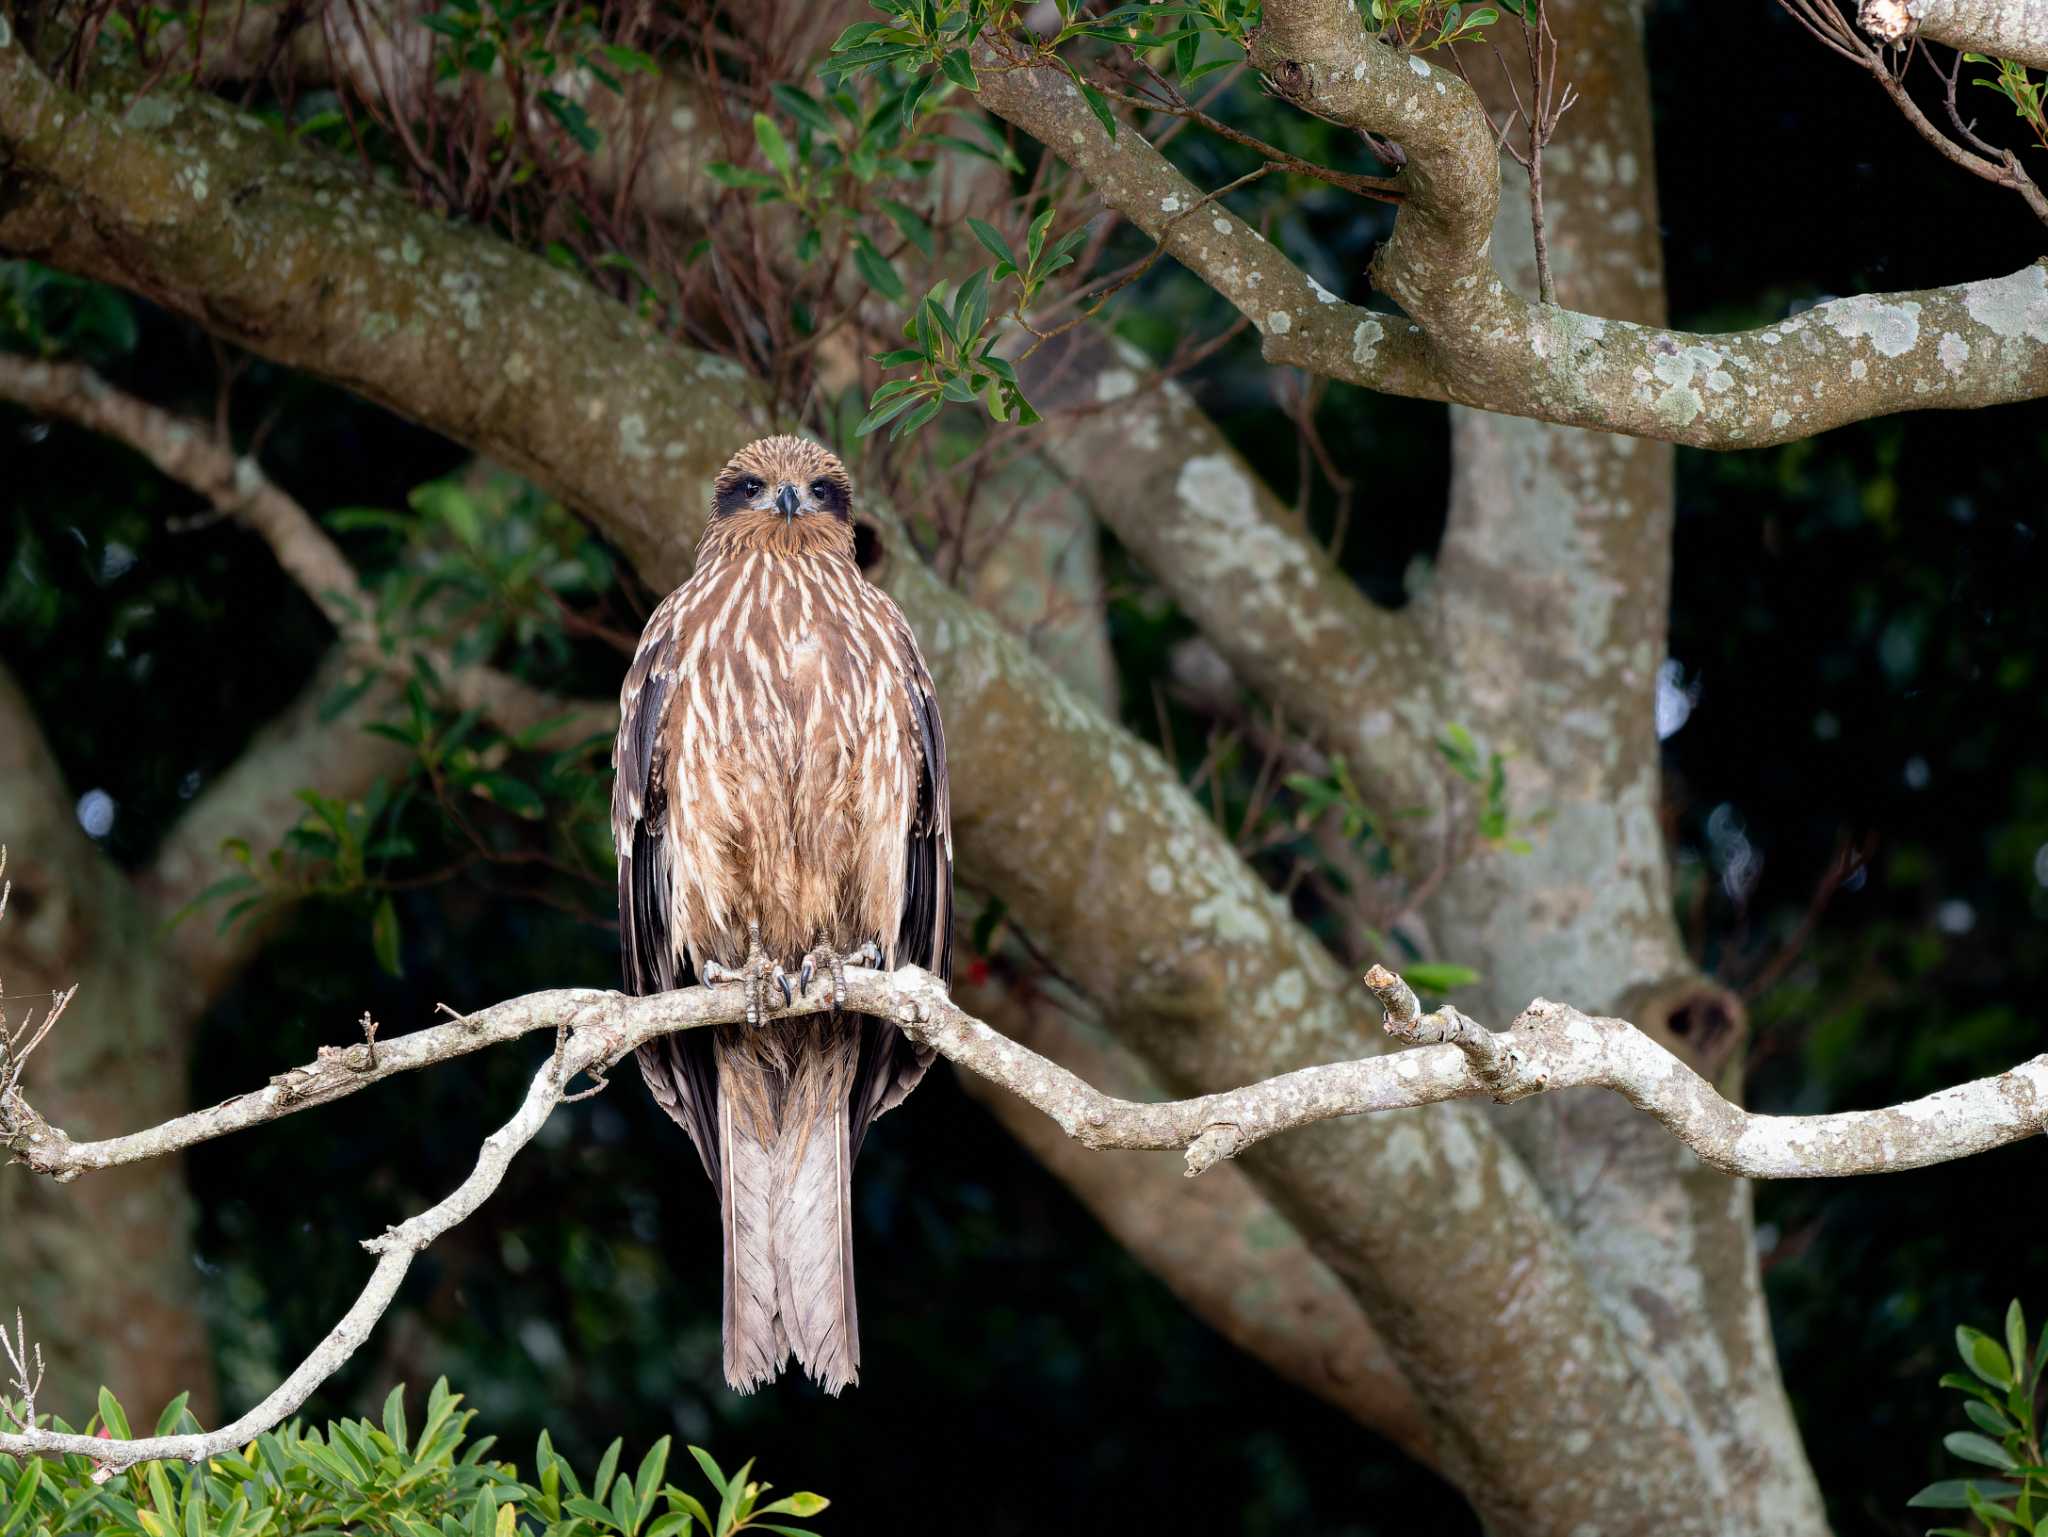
<point x="1550" y="1046"/>
<point x="1468" y="338"/>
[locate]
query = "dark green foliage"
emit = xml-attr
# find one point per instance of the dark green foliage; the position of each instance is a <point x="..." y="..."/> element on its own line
<point x="382" y="1478"/>
<point x="2003" y="1400"/>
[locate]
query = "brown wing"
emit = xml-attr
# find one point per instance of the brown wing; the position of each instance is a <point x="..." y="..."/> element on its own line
<point x="654" y="954"/>
<point x="890" y="1065"/>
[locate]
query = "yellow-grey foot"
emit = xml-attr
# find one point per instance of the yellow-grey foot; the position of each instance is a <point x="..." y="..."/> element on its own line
<point x="823" y="956"/>
<point x="759" y="973"/>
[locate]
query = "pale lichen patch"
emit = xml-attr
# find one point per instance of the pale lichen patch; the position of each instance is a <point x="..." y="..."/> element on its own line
<point x="1278" y="323"/>
<point x="1953" y="351"/>
<point x="1366" y="337"/>
<point x="2011" y="306"/>
<point x="1893" y="329"/>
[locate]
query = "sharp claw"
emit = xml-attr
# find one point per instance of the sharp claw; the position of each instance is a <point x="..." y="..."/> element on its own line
<point x="803" y="977"/>
<point x="782" y="981"/>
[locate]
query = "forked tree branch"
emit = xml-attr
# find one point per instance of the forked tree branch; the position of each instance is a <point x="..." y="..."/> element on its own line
<point x="1550" y="1046"/>
<point x="1468" y="338"/>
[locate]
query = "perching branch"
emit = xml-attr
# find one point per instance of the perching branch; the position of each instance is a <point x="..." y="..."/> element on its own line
<point x="1550" y="1046"/>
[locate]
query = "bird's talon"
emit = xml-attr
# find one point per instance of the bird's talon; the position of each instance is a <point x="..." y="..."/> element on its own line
<point x="824" y="957"/>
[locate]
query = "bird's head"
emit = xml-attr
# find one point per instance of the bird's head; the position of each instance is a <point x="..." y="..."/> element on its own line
<point x="785" y="494"/>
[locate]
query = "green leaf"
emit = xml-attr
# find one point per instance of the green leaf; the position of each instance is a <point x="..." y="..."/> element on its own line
<point x="735" y="1494"/>
<point x="607" y="1465"/>
<point x="112" y="1417"/>
<point x="917" y="418"/>
<point x="960" y="70"/>
<point x="690" y="1505"/>
<point x="803" y="1504"/>
<point x="876" y="269"/>
<point x="774" y="147"/>
<point x="1438" y="977"/>
<point x="739" y="176"/>
<point x="167" y="1422"/>
<point x="857" y="34"/>
<point x="802" y="106"/>
<point x="648" y="1479"/>
<point x="993" y="242"/>
<point x="1971" y="1447"/>
<point x="1984" y="1356"/>
<point x="710" y="1468"/>
<point x="911" y="224"/>
<point x="1988" y="1419"/>
<point x="582" y="1505"/>
<point x="676" y="1523"/>
<point x="384" y="937"/>
<point x="394" y="1417"/>
<point x="1954" y="1493"/>
<point x="1099" y="105"/>
<point x="1969" y="1385"/>
<point x="888" y="410"/>
<point x="2016" y="1334"/>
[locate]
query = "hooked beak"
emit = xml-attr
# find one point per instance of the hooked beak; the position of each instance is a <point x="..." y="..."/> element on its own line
<point x="786" y="500"/>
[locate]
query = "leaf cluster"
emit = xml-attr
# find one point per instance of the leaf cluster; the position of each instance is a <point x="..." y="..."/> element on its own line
<point x="1422" y="25"/>
<point x="382" y="1478"/>
<point x="2003" y="1399"/>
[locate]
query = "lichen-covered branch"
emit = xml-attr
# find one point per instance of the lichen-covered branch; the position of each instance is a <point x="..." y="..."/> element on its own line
<point x="1550" y="1047"/>
<point x="2004" y="29"/>
<point x="1468" y="338"/>
<point x="300" y="258"/>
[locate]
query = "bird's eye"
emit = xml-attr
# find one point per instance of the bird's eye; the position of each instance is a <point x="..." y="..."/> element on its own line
<point x="753" y="485"/>
<point x="821" y="489"/>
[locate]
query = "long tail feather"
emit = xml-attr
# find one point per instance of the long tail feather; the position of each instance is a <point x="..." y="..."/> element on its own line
<point x="814" y="1207"/>
<point x="755" y="1345"/>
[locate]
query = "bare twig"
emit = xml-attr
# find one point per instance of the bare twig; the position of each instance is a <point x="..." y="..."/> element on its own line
<point x="22" y="1386"/>
<point x="1825" y="21"/>
<point x="19" y="1044"/>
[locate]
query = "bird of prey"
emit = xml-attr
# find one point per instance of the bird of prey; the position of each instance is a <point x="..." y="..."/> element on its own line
<point x="781" y="809"/>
